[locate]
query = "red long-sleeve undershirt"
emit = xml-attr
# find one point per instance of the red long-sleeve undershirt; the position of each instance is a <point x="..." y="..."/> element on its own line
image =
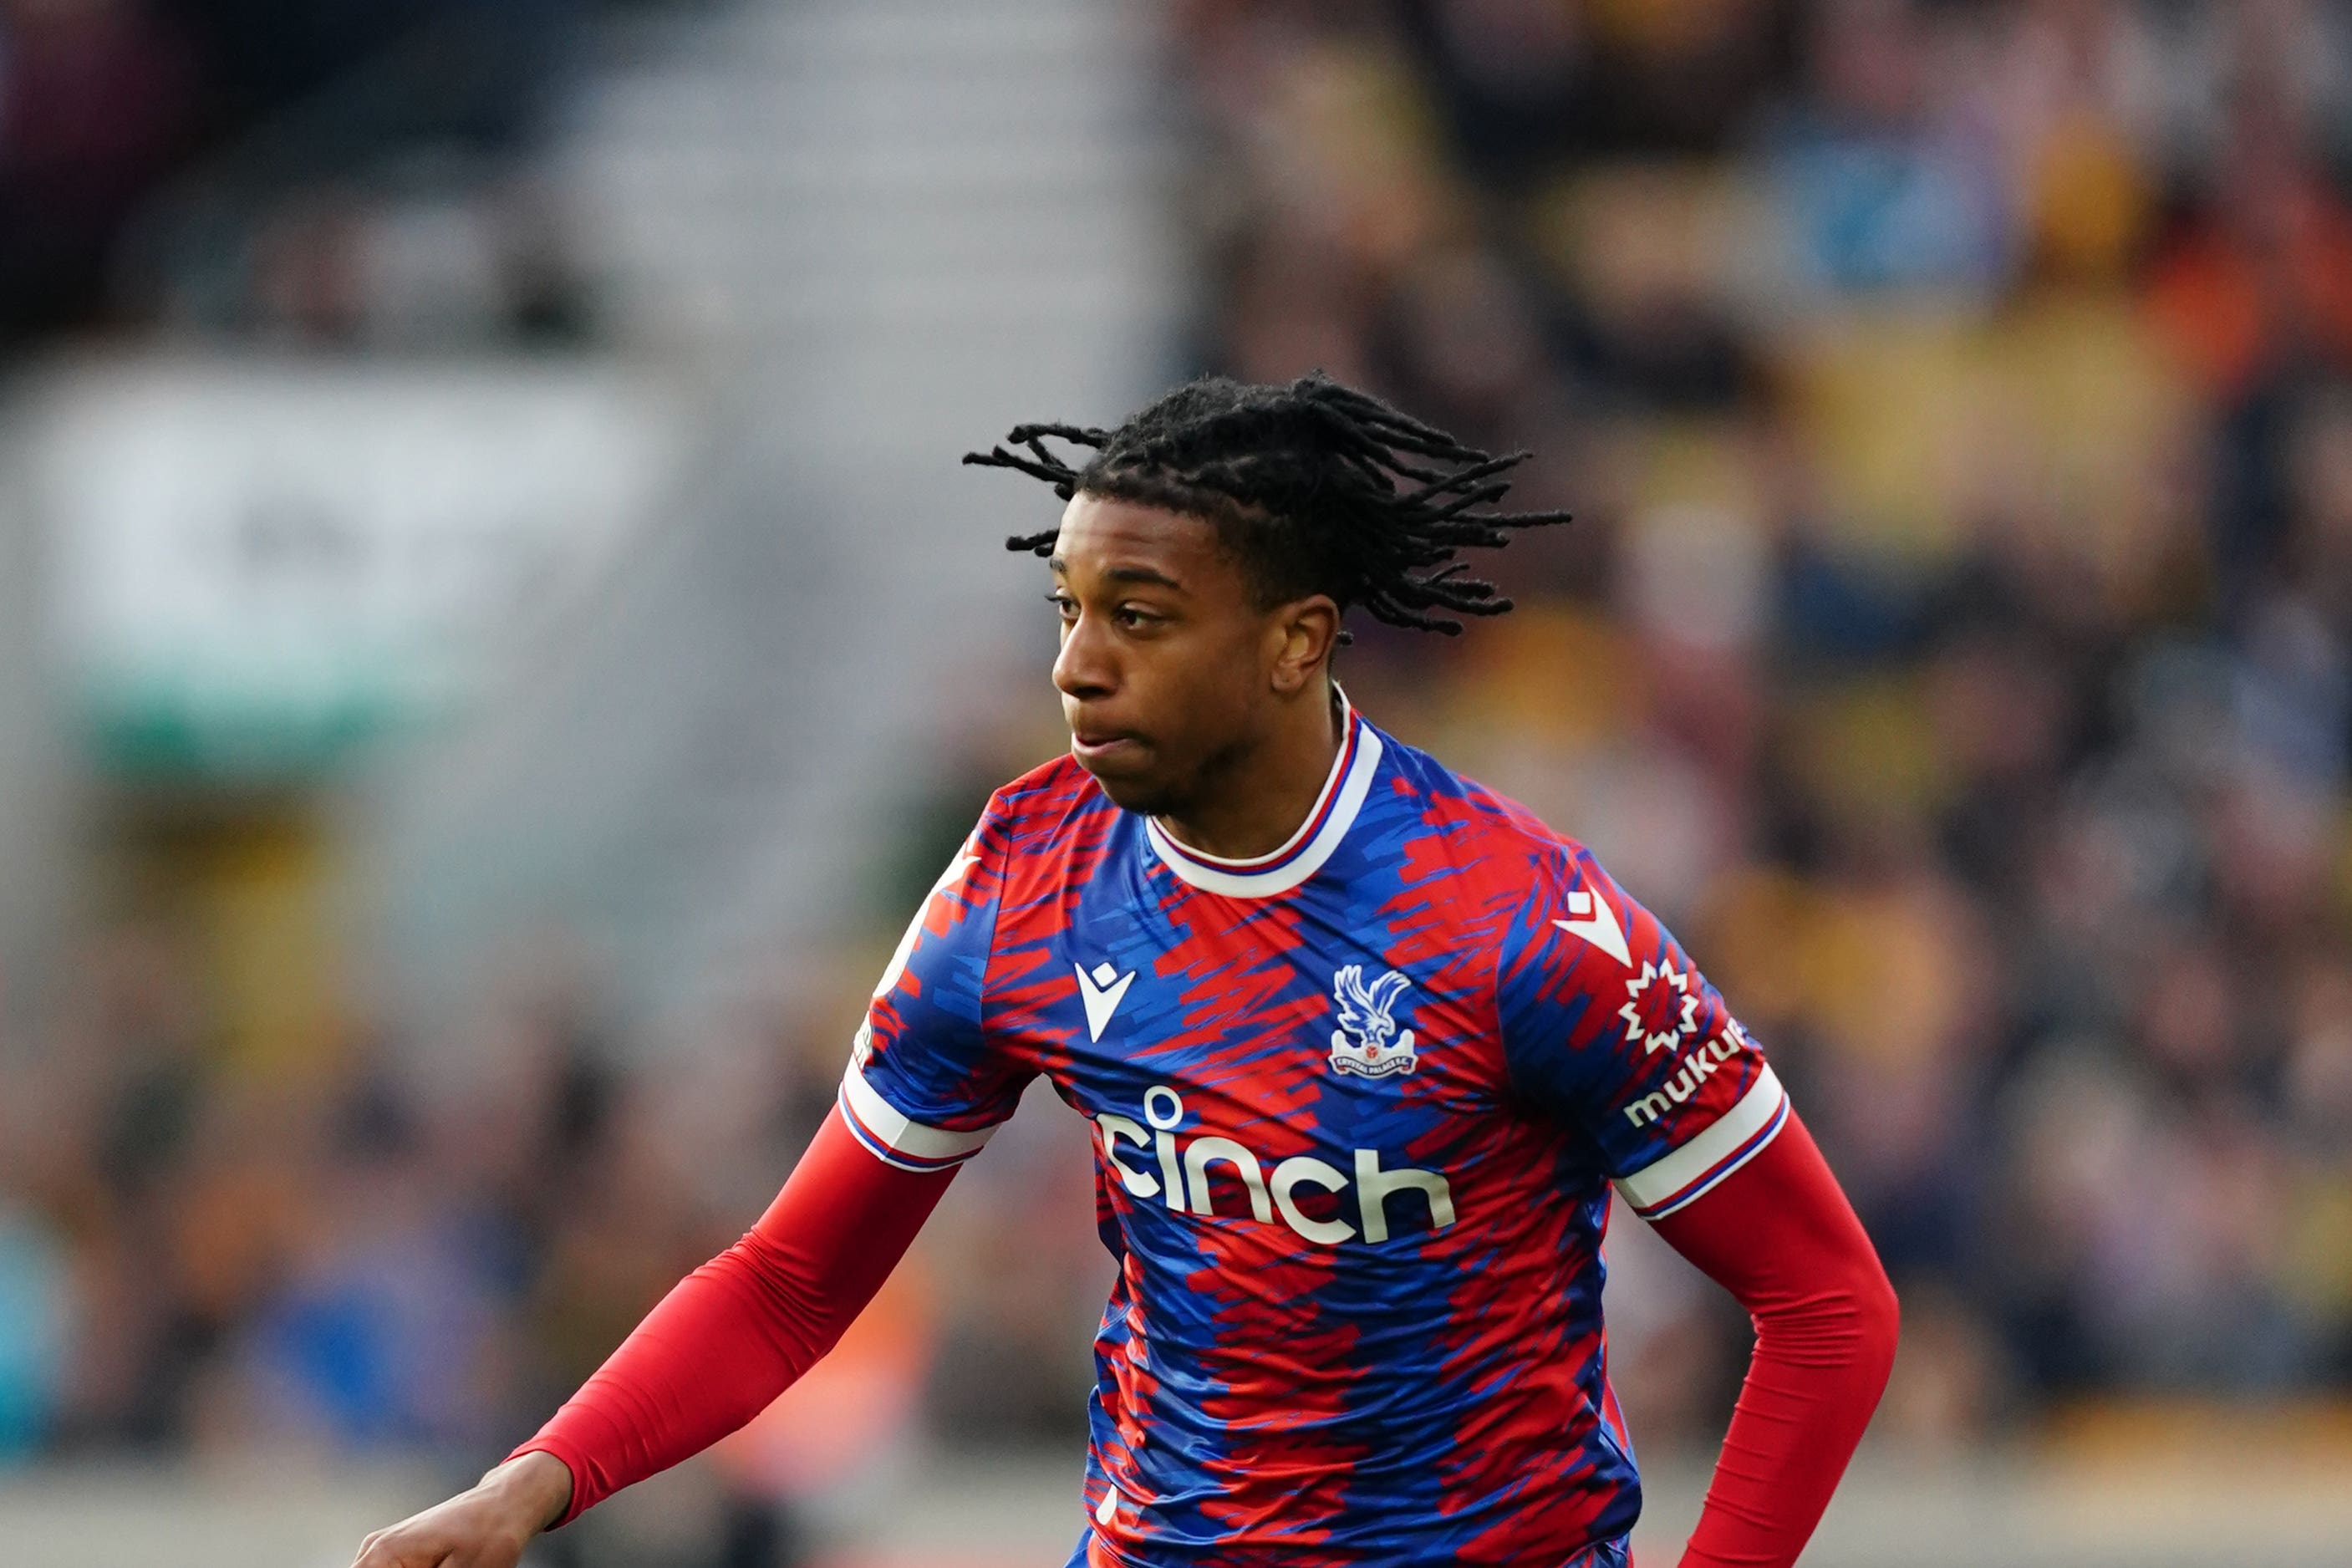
<point x="742" y="1328"/>
<point x="738" y="1330"/>
<point x="1780" y="1236"/>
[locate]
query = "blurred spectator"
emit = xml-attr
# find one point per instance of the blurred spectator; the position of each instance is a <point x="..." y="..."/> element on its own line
<point x="32" y="1330"/>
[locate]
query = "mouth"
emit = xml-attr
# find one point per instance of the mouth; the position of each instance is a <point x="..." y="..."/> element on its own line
<point x="1092" y="747"/>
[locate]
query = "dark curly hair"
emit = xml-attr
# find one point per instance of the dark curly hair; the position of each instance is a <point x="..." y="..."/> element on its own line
<point x="1315" y="488"/>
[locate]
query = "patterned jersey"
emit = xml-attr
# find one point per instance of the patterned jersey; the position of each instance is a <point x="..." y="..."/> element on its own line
<point x="1357" y="1108"/>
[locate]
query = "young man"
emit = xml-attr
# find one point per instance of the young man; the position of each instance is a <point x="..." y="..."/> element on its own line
<point x="1364" y="1048"/>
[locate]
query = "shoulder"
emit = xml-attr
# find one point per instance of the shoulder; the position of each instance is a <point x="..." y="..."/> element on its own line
<point x="1516" y="881"/>
<point x="1048" y="798"/>
<point x="1483" y="832"/>
<point x="1037" y="826"/>
<point x="1056" y="783"/>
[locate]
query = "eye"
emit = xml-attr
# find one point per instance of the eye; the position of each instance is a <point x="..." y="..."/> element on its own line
<point x="1133" y="617"/>
<point x="1067" y="606"/>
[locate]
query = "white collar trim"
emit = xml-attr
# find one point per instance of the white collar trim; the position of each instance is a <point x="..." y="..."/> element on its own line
<point x="1343" y="796"/>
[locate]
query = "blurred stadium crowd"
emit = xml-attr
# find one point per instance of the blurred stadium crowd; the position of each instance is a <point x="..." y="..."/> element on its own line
<point x="278" y="170"/>
<point x="1957" y="402"/>
<point x="1952" y="642"/>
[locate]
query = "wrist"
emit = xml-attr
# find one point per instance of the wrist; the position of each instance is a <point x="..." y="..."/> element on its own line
<point x="538" y="1484"/>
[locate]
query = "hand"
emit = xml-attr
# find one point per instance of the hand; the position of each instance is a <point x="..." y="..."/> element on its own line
<point x="485" y="1526"/>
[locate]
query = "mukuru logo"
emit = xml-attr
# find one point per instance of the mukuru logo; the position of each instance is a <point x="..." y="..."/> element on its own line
<point x="1703" y="1062"/>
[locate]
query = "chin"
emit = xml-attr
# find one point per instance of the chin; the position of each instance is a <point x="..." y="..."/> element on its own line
<point x="1146" y="796"/>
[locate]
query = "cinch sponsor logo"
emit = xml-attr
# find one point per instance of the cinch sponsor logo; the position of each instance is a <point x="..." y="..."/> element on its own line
<point x="1703" y="1063"/>
<point x="1183" y="1177"/>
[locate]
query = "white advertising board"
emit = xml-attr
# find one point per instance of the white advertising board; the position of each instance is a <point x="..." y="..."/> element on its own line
<point x="252" y="565"/>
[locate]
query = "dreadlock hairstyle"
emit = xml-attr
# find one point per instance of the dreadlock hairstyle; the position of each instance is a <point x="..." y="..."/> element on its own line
<point x="1316" y="487"/>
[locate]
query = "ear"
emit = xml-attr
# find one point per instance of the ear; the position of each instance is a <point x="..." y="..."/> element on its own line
<point x="1303" y="632"/>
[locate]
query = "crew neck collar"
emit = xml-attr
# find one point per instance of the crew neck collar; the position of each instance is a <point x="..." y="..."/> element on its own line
<point x="1303" y="854"/>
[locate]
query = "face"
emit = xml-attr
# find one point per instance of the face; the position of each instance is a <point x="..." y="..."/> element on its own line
<point x="1171" y="672"/>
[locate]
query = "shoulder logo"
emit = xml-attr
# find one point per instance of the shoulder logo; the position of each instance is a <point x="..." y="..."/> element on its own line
<point x="1101" y="992"/>
<point x="1661" y="1009"/>
<point x="1367" y="1043"/>
<point x="1589" y="918"/>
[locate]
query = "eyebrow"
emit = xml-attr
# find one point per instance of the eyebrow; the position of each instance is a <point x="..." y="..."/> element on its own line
<point x="1125" y="574"/>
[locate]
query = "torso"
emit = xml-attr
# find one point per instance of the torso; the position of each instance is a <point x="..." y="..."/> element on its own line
<point x="1357" y="1314"/>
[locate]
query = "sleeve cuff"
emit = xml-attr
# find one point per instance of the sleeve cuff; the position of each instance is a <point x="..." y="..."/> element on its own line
<point x="893" y="1138"/>
<point x="578" y="1501"/>
<point x="1729" y="1142"/>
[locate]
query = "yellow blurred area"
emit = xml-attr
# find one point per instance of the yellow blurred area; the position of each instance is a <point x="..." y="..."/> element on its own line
<point x="2061" y="419"/>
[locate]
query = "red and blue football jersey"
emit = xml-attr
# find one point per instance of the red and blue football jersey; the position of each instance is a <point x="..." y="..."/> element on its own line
<point x="1357" y="1108"/>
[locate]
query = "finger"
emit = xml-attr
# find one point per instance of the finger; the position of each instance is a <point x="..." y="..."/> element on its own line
<point x="389" y="1549"/>
<point x="382" y="1547"/>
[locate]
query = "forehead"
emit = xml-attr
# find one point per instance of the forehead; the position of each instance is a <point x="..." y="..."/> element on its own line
<point x="1103" y="534"/>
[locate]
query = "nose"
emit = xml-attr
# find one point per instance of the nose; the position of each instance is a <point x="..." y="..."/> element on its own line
<point x="1085" y="668"/>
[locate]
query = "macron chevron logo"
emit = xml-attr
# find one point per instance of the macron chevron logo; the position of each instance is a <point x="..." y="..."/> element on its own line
<point x="1590" y="919"/>
<point x="1101" y="992"/>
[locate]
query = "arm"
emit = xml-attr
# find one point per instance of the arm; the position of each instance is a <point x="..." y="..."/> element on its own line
<point x="718" y="1348"/>
<point x="1608" y="1024"/>
<point x="1780" y="1236"/>
<point x="926" y="1087"/>
<point x="741" y="1329"/>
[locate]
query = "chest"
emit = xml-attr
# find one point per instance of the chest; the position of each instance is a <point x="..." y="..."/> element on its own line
<point x="1307" y="1025"/>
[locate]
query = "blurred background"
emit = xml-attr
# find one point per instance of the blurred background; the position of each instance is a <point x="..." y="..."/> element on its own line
<point x="494" y="641"/>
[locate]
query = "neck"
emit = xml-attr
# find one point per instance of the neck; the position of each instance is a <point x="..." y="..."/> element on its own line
<point x="1264" y="794"/>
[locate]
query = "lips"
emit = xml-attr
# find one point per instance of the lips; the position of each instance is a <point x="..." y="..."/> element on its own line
<point x="1091" y="745"/>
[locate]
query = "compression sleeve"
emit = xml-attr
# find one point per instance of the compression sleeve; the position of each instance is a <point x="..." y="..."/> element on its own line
<point x="1780" y="1236"/>
<point x="742" y="1328"/>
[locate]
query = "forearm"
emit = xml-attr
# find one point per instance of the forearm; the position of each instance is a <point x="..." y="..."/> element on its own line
<point x="703" y="1363"/>
<point x="738" y="1330"/>
<point x="1781" y="1238"/>
<point x="1813" y="1381"/>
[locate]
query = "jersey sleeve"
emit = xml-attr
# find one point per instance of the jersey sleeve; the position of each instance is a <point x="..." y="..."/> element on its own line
<point x="1609" y="1027"/>
<point x="926" y="1085"/>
